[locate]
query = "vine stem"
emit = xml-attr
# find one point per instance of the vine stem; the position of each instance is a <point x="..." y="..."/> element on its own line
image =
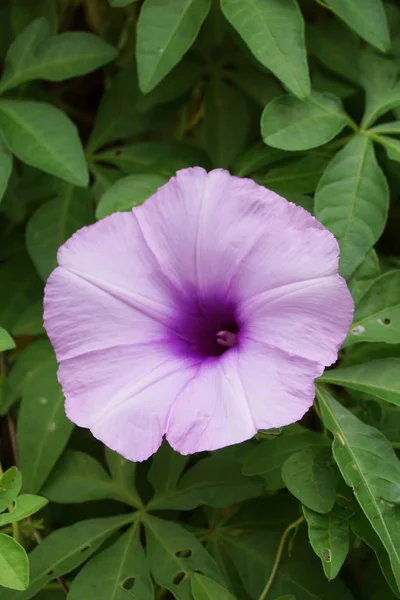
<point x="278" y="556"/>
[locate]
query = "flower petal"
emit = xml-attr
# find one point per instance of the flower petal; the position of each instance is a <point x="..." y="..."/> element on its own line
<point x="124" y="395"/>
<point x="307" y="319"/>
<point x="212" y="411"/>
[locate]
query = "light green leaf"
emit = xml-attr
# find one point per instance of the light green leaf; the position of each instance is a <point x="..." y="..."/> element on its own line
<point x="291" y="124"/>
<point x="380" y="78"/>
<point x="368" y="19"/>
<point x="53" y="223"/>
<point x="329" y="538"/>
<point x="128" y="192"/>
<point x="298" y="176"/>
<point x="369" y="465"/>
<point x="274" y="32"/>
<point x="352" y="201"/>
<point x="78" y="477"/>
<point x="379" y="378"/>
<point x="43" y="428"/>
<point x="204" y="588"/>
<point x="116" y="573"/>
<point x="10" y="486"/>
<point x="14" y="568"/>
<point x="25" y="506"/>
<point x="64" y="550"/>
<point x="20" y="286"/>
<point x="174" y="554"/>
<point x="166" y="29"/>
<point x="6" y="165"/>
<point x="310" y="478"/>
<point x="6" y="341"/>
<point x="226" y="123"/>
<point x="364" y="275"/>
<point x="42" y="136"/>
<point x="266" y="459"/>
<point x="377" y="316"/>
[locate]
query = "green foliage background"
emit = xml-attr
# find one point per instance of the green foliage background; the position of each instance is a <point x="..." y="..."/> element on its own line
<point x="100" y="103"/>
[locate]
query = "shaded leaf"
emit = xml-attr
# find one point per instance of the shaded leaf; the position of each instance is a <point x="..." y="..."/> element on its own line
<point x="364" y="275"/>
<point x="5" y="168"/>
<point x="380" y="78"/>
<point x="204" y="588"/>
<point x="20" y="287"/>
<point x="299" y="176"/>
<point x="128" y="192"/>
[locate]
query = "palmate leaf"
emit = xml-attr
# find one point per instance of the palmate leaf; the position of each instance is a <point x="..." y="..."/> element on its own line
<point x="166" y="29"/>
<point x="379" y="378"/>
<point x="119" y="572"/>
<point x="352" y="201"/>
<point x="274" y="32"/>
<point x="369" y="465"/>
<point x="64" y="550"/>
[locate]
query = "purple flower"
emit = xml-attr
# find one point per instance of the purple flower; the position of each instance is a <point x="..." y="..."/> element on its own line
<point x="204" y="315"/>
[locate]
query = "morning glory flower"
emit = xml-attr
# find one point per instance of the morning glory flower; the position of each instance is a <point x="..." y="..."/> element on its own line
<point x="203" y="315"/>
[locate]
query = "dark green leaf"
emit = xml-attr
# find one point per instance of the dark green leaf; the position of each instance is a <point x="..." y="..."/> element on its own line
<point x="5" y="168"/>
<point x="364" y="275"/>
<point x="20" y="287"/>
<point x="298" y="176"/>
<point x="380" y="78"/>
<point x="204" y="588"/>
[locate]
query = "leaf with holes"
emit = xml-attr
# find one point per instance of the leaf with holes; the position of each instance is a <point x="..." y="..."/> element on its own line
<point x="10" y="486"/>
<point x="42" y="136"/>
<point x="43" y="428"/>
<point x="377" y="316"/>
<point x="174" y="554"/>
<point x="352" y="200"/>
<point x="117" y="572"/>
<point x="310" y="478"/>
<point x="368" y="19"/>
<point x="78" y="477"/>
<point x="378" y="378"/>
<point x="288" y="123"/>
<point x="274" y="32"/>
<point x="165" y="31"/>
<point x="329" y="538"/>
<point x="64" y="550"/>
<point x="204" y="588"/>
<point x="128" y="192"/>
<point x="266" y="459"/>
<point x="25" y="506"/>
<point x="53" y="223"/>
<point x="14" y="568"/>
<point x="369" y="465"/>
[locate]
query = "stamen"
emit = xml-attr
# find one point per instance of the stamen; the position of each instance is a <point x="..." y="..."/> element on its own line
<point x="226" y="339"/>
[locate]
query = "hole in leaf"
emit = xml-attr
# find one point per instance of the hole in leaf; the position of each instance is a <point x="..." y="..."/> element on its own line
<point x="51" y="572"/>
<point x="179" y="577"/>
<point x="326" y="555"/>
<point x="186" y="553"/>
<point x="129" y="583"/>
<point x="386" y="321"/>
<point x="84" y="548"/>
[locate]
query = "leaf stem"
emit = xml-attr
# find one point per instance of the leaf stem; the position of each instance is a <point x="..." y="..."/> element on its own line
<point x="278" y="556"/>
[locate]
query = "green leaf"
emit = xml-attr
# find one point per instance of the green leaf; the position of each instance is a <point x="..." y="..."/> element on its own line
<point x="165" y="31"/>
<point x="274" y="32"/>
<point x="10" y="486"/>
<point x="64" y="550"/>
<point x="23" y="13"/>
<point x="120" y="3"/>
<point x="257" y="85"/>
<point x="128" y="192"/>
<point x="391" y="145"/>
<point x="43" y="428"/>
<point x="14" y="568"/>
<point x="123" y="473"/>
<point x="369" y="465"/>
<point x="266" y="459"/>
<point x="161" y="157"/>
<point x="226" y="123"/>
<point x="377" y="316"/>
<point x="257" y="158"/>
<point x="352" y="201"/>
<point x="25" y="506"/>
<point x="42" y="136"/>
<point x="53" y="223"/>
<point x="291" y="124"/>
<point x="297" y="176"/>
<point x="391" y="127"/>
<point x="20" y="286"/>
<point x="164" y="474"/>
<point x="329" y="538"/>
<point x="116" y="573"/>
<point x="30" y="322"/>
<point x="368" y="19"/>
<point x="380" y="78"/>
<point x="379" y="378"/>
<point x="6" y="341"/>
<point x="204" y="588"/>
<point x="6" y="165"/>
<point x="364" y="275"/>
<point x="174" y="554"/>
<point x="310" y="478"/>
<point x="78" y="477"/>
